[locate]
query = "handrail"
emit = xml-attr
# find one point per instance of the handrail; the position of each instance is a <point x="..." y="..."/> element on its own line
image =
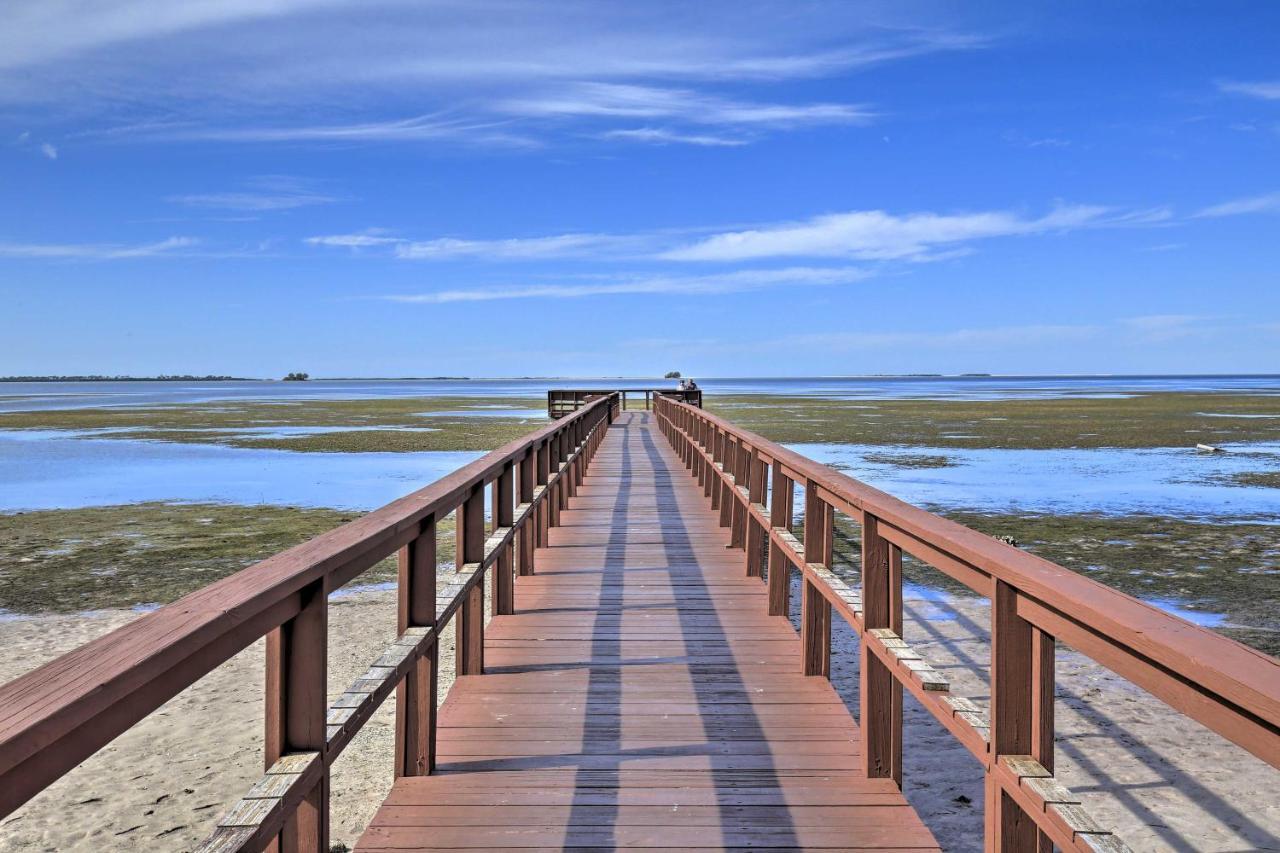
<point x="562" y="401"/>
<point x="1228" y="687"/>
<point x="56" y="716"/>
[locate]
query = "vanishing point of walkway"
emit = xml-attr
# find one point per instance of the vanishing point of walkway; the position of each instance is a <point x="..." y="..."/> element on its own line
<point x="641" y="698"/>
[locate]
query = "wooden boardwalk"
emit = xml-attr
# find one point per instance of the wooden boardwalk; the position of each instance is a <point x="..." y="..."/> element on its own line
<point x="641" y="698"/>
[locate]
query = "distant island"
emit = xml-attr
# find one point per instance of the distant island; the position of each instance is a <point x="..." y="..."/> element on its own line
<point x="164" y="377"/>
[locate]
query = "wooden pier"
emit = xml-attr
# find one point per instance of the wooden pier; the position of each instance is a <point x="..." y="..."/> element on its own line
<point x="639" y="685"/>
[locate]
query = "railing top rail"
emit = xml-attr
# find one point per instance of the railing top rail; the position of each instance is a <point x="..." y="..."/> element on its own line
<point x="1221" y="669"/>
<point x="144" y="663"/>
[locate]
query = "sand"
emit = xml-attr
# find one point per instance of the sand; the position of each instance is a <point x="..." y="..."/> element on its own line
<point x="1160" y="781"/>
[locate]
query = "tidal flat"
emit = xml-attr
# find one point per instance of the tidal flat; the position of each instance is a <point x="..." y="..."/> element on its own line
<point x="1167" y="419"/>
<point x="142" y="555"/>
<point x="379" y="424"/>
<point x="143" y="503"/>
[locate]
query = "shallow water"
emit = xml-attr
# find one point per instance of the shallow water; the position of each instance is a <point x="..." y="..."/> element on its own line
<point x="1161" y="481"/>
<point x="26" y="396"/>
<point x="55" y="472"/>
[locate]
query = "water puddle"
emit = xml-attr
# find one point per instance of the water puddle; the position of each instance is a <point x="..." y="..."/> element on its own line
<point x="56" y="472"/>
<point x="1162" y="481"/>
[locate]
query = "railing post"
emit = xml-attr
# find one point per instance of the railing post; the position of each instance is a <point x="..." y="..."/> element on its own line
<point x="416" y="694"/>
<point x="815" y="610"/>
<point x="297" y="656"/>
<point x="879" y="693"/>
<point x="528" y="530"/>
<point x="755" y="531"/>
<point x="504" y="492"/>
<point x="470" y="617"/>
<point x="780" y="514"/>
<point x="1008" y="827"/>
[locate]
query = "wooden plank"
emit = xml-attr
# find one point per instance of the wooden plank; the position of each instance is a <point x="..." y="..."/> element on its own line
<point x="641" y="695"/>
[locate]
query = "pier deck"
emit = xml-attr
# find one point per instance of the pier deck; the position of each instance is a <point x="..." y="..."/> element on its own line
<point x="640" y="697"/>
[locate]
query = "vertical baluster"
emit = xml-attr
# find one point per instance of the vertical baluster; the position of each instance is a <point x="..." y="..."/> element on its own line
<point x="504" y="489"/>
<point x="1008" y="827"/>
<point x="713" y="479"/>
<point x="1042" y="693"/>
<point x="297" y="654"/>
<point x="528" y="478"/>
<point x="780" y="514"/>
<point x="723" y="485"/>
<point x="815" y="610"/>
<point x="544" y="513"/>
<point x="416" y="694"/>
<point x="470" y="617"/>
<point x="755" y="531"/>
<point x="741" y="480"/>
<point x="880" y="694"/>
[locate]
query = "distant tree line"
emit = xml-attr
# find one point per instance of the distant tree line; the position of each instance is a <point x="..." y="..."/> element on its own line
<point x="297" y="377"/>
<point x="93" y="377"/>
<point x="671" y="374"/>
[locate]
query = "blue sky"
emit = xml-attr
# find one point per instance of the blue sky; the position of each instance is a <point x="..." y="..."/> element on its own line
<point x="590" y="188"/>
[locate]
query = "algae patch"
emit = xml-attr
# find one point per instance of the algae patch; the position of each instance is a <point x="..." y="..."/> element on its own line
<point x="1167" y="419"/>
<point x="68" y="561"/>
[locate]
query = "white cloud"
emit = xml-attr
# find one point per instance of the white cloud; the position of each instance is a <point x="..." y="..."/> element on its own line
<point x="877" y="235"/>
<point x="415" y="129"/>
<point x="93" y="251"/>
<point x="48" y="151"/>
<point x="365" y="240"/>
<point x="519" y="248"/>
<point x="1268" y="90"/>
<point x="732" y="282"/>
<point x="616" y="100"/>
<point x="248" y="201"/>
<point x="662" y="136"/>
<point x="289" y="71"/>
<point x="1268" y="203"/>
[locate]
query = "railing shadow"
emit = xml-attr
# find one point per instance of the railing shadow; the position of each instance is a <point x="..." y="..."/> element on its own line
<point x="976" y="669"/>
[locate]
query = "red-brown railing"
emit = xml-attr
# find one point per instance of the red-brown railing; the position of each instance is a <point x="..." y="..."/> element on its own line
<point x="1229" y="688"/>
<point x="56" y="716"/>
<point x="562" y="401"/>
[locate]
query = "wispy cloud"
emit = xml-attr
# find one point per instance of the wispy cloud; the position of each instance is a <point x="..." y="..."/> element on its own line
<point x="663" y="136"/>
<point x="870" y="235"/>
<point x="486" y="71"/>
<point x="616" y="100"/>
<point x="364" y="240"/>
<point x="265" y="193"/>
<point x="1268" y="203"/>
<point x="530" y="248"/>
<point x="432" y="127"/>
<point x="93" y="251"/>
<point x="731" y="282"/>
<point x="49" y="151"/>
<point x="1268" y="90"/>
<point x="877" y="235"/>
